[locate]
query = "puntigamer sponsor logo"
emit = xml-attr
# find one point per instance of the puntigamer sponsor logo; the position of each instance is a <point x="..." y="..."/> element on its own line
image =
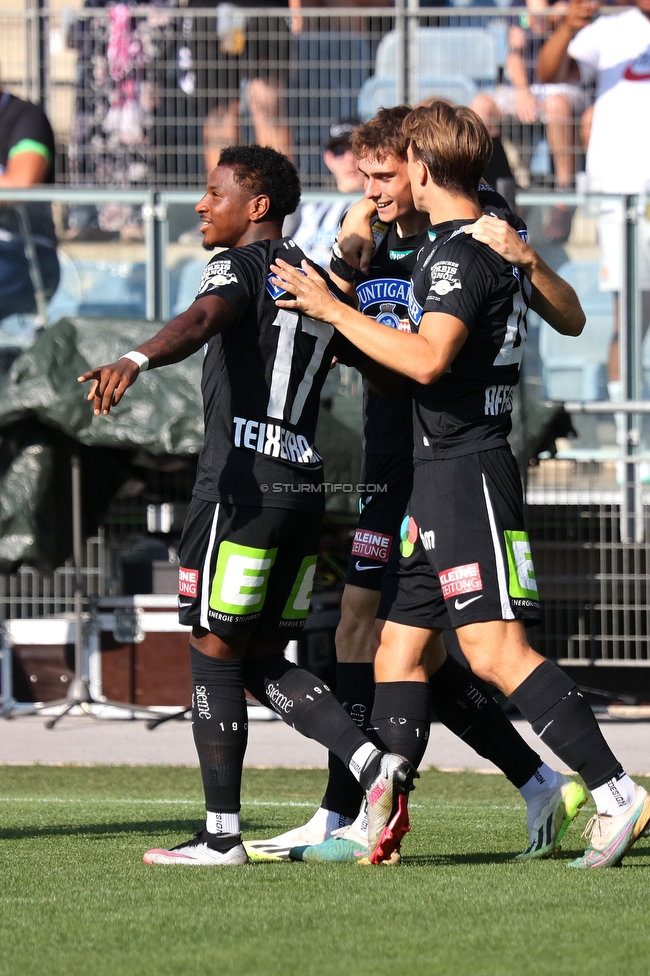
<point x="187" y="581"/>
<point x="274" y="440"/>
<point x="460" y="579"/>
<point x="382" y="290"/>
<point x="372" y="545"/>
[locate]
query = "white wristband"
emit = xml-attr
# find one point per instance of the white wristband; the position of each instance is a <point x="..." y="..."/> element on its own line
<point x="138" y="358"/>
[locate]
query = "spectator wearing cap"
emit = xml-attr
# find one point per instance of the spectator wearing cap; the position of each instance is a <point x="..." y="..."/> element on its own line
<point x="314" y="226"/>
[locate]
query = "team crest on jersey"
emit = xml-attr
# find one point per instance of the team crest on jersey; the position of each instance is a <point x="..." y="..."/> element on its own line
<point x="274" y="290"/>
<point x="444" y="277"/>
<point x="217" y="274"/>
<point x="387" y="316"/>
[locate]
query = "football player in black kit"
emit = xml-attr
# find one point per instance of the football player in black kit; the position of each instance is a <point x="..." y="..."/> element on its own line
<point x="465" y="558"/>
<point x="250" y="540"/>
<point x="460" y="700"/>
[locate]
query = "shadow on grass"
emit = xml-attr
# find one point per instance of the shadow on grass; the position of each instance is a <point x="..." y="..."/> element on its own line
<point x="107" y="829"/>
<point x="562" y="857"/>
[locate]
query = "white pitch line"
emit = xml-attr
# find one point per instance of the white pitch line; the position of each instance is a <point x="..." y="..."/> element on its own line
<point x="434" y="805"/>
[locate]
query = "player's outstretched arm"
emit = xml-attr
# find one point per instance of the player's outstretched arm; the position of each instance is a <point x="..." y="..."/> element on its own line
<point x="355" y="240"/>
<point x="422" y="357"/>
<point x="182" y="336"/>
<point x="553" y="298"/>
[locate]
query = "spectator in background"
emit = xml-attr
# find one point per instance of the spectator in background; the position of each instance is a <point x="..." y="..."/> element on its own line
<point x="314" y="226"/>
<point x="331" y="56"/>
<point x="26" y="159"/>
<point x="242" y="73"/>
<point x="555" y="104"/>
<point x="119" y="135"/>
<point x="613" y="51"/>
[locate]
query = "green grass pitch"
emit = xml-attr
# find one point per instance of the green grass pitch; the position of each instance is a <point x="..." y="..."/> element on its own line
<point x="76" y="899"/>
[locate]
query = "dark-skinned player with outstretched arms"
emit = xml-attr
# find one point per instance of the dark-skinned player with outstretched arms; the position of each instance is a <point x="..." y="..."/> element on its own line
<point x="247" y="555"/>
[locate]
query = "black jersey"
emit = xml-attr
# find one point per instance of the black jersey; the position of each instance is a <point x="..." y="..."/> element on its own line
<point x="469" y="408"/>
<point x="383" y="294"/>
<point x="24" y="127"/>
<point x="261" y="386"/>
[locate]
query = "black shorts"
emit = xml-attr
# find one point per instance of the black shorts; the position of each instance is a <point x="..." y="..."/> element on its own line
<point x="247" y="569"/>
<point x="464" y="554"/>
<point x="382" y="511"/>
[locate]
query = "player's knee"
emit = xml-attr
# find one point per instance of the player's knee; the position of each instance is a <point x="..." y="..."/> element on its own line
<point x="398" y="657"/>
<point x="354" y="634"/>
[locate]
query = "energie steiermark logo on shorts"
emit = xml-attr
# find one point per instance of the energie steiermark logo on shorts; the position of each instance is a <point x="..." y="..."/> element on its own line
<point x="240" y="583"/>
<point x="522" y="585"/>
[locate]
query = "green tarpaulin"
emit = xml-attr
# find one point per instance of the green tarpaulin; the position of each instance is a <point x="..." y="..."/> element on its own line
<point x="44" y="416"/>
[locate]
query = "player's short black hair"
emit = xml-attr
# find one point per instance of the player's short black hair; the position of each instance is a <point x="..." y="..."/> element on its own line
<point x="261" y="169"/>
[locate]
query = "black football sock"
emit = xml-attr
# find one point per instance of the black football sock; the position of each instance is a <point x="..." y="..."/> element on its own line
<point x="562" y="718"/>
<point x="220" y="728"/>
<point x="463" y="703"/>
<point x="402" y="717"/>
<point x="305" y="702"/>
<point x="355" y="690"/>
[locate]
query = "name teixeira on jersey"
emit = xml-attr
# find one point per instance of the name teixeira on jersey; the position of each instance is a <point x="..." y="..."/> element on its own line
<point x="274" y="440"/>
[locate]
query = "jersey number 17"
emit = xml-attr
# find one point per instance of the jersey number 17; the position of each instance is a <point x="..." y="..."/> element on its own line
<point x="288" y="323"/>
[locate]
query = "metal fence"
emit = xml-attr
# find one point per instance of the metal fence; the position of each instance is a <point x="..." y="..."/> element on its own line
<point x="142" y="103"/>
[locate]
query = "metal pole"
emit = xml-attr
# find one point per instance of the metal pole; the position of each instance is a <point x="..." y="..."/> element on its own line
<point x="79" y="690"/>
<point x="402" y="52"/>
<point x="632" y="527"/>
<point x="412" y="52"/>
<point x="152" y="249"/>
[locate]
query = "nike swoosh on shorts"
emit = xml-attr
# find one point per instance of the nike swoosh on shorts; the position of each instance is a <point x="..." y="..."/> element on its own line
<point x="466" y="603"/>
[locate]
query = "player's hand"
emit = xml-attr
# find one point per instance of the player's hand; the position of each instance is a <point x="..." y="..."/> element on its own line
<point x="502" y="238"/>
<point x="109" y="384"/>
<point x="355" y="240"/>
<point x="313" y="297"/>
<point x="525" y="106"/>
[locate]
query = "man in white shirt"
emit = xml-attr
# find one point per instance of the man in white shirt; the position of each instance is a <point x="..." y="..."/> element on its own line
<point x="614" y="52"/>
